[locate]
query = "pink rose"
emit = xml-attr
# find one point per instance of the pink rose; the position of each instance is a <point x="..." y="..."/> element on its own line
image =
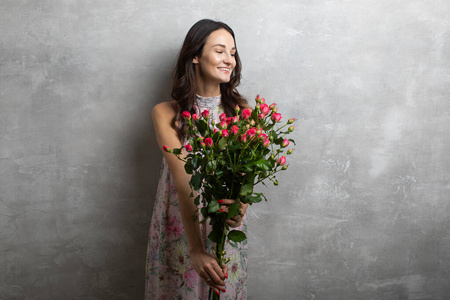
<point x="223" y="117"/>
<point x="225" y="132"/>
<point x="265" y="108"/>
<point x="167" y="149"/>
<point x="246" y="113"/>
<point x="276" y="117"/>
<point x="186" y="115"/>
<point x="234" y="129"/>
<point x="209" y="142"/>
<point x="272" y="106"/>
<point x="281" y="161"/>
<point x="263" y="100"/>
<point x="261" y="116"/>
<point x="194" y="117"/>
<point x="263" y="136"/>
<point x="216" y="130"/>
<point x="235" y="119"/>
<point x="266" y="143"/>
<point x="205" y="114"/>
<point x="285" y="143"/>
<point x="228" y="120"/>
<point x="188" y="147"/>
<point x="243" y="138"/>
<point x="222" y="125"/>
<point x="251" y="132"/>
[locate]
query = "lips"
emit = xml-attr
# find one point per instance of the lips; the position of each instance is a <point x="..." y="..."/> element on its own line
<point x="223" y="69"/>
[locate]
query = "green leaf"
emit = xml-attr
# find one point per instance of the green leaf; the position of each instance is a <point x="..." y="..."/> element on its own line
<point x="196" y="181"/>
<point x="211" y="166"/>
<point x="213" y="206"/>
<point x="254" y="199"/>
<point x="176" y="151"/>
<point x="188" y="168"/>
<point x="236" y="236"/>
<point x="214" y="236"/>
<point x="291" y="140"/>
<point x="263" y="164"/>
<point x="222" y="143"/>
<point x="195" y="161"/>
<point x="246" y="189"/>
<point x="196" y="200"/>
<point x="233" y="210"/>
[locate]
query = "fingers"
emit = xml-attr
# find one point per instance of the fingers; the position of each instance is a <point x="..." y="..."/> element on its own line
<point x="215" y="277"/>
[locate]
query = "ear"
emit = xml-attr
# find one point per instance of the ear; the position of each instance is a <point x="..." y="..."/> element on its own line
<point x="195" y="60"/>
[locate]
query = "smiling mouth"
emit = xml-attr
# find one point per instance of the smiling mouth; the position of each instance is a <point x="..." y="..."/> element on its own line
<point x="226" y="70"/>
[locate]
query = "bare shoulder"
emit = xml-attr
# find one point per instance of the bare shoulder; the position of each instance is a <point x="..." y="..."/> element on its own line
<point x="164" y="111"/>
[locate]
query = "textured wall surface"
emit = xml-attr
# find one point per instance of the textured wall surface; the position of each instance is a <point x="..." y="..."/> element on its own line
<point x="363" y="212"/>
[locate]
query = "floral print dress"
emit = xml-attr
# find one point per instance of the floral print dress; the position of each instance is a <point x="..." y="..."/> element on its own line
<point x="169" y="270"/>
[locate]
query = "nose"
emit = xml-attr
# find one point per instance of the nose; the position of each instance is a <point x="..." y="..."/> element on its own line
<point x="228" y="59"/>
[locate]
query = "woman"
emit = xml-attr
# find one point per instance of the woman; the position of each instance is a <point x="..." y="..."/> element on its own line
<point x="180" y="260"/>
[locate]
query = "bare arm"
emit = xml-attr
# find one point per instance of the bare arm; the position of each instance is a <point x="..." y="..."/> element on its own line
<point x="205" y="264"/>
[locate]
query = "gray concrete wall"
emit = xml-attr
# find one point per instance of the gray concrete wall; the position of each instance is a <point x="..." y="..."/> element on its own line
<point x="362" y="213"/>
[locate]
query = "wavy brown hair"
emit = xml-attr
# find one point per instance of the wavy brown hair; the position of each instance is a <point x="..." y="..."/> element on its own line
<point x="184" y="86"/>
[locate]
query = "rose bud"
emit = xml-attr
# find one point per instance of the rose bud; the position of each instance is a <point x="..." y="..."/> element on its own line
<point x="271" y="106"/>
<point x="243" y="138"/>
<point x="225" y="132"/>
<point x="167" y="149"/>
<point x="257" y="99"/>
<point x="186" y="115"/>
<point x="275" y="109"/>
<point x="291" y="128"/>
<point x="246" y="113"/>
<point x="209" y="142"/>
<point x="194" y="117"/>
<point x="205" y="114"/>
<point x="276" y="117"/>
<point x="258" y="105"/>
<point x="188" y="147"/>
<point x="266" y="143"/>
<point x="289" y="151"/>
<point x="216" y="130"/>
<point x="284" y="167"/>
<point x="263" y="100"/>
<point x="251" y="132"/>
<point x="290" y="121"/>
<point x="237" y="109"/>
<point x="285" y="143"/>
<point x="223" y="117"/>
<point x="261" y="116"/>
<point x="281" y="161"/>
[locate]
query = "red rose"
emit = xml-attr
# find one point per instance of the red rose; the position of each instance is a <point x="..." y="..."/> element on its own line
<point x="194" y="117"/>
<point x="222" y="125"/>
<point x="246" y="113"/>
<point x="167" y="149"/>
<point x="265" y="108"/>
<point x="188" y="147"/>
<point x="205" y="114"/>
<point x="186" y="115"/>
<point x="209" y="142"/>
<point x="223" y="117"/>
<point x="234" y="129"/>
<point x="225" y="132"/>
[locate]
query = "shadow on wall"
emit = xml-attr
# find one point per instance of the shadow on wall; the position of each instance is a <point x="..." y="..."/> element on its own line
<point x="145" y="162"/>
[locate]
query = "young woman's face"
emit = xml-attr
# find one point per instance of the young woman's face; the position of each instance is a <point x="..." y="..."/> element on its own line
<point x="217" y="61"/>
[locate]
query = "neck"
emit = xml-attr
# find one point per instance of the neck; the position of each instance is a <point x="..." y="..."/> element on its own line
<point x="207" y="89"/>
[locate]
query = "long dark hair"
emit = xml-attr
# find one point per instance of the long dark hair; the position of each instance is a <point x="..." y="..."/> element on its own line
<point x="184" y="86"/>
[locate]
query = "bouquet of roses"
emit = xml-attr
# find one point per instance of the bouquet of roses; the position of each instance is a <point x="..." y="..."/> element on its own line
<point x="228" y="159"/>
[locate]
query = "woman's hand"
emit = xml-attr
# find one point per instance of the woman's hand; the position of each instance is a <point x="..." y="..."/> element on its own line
<point x="236" y="221"/>
<point x="207" y="267"/>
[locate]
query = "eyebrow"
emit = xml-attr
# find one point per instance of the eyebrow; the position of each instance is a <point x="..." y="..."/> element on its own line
<point x="223" y="46"/>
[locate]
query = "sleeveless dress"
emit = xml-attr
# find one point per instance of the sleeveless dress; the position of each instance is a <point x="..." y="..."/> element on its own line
<point x="169" y="270"/>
